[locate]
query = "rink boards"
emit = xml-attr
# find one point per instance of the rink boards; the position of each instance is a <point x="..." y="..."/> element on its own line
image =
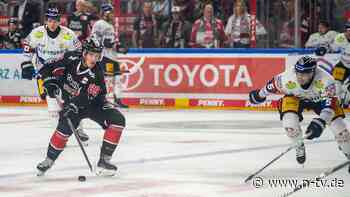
<point x="176" y="78"/>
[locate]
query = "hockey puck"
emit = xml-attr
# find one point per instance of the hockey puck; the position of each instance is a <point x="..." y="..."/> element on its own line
<point x="82" y="178"/>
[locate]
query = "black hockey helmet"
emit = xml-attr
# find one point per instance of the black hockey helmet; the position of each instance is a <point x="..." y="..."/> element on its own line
<point x="52" y="13"/>
<point x="306" y="64"/>
<point x="92" y="45"/>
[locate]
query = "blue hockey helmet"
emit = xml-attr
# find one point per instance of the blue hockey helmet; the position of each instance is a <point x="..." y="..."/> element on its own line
<point x="52" y="13"/>
<point x="306" y="64"/>
<point x="106" y="7"/>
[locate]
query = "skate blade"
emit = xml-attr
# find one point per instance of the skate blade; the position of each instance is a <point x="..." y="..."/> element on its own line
<point x="105" y="172"/>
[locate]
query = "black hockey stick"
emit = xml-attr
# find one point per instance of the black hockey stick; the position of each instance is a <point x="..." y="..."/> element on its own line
<point x="273" y="160"/>
<point x="80" y="144"/>
<point x="321" y="176"/>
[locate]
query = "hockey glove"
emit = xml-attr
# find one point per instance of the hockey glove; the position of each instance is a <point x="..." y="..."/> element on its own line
<point x="315" y="128"/>
<point x="321" y="51"/>
<point x="70" y="110"/>
<point x="123" y="50"/>
<point x="51" y="86"/>
<point x="28" y="70"/>
<point x="255" y="98"/>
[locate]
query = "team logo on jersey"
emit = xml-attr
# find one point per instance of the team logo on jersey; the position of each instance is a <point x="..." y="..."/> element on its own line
<point x="291" y="85"/>
<point x="340" y="38"/>
<point x="67" y="36"/>
<point x="72" y="57"/>
<point x="38" y="34"/>
<point x="93" y="90"/>
<point x="319" y="84"/>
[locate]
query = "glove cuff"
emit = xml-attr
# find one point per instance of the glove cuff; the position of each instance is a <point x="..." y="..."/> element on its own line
<point x="255" y="98"/>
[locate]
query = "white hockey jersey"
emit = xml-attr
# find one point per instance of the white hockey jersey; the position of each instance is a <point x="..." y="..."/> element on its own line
<point x="317" y="40"/>
<point x="340" y="43"/>
<point x="103" y="30"/>
<point x="41" y="49"/>
<point x="322" y="87"/>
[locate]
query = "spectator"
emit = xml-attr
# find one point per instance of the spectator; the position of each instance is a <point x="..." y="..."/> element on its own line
<point x="323" y="38"/>
<point x="136" y="5"/>
<point x="208" y="31"/>
<point x="187" y="9"/>
<point x="227" y="10"/>
<point x="162" y="10"/>
<point x="3" y="8"/>
<point x="277" y="16"/>
<point x="287" y="35"/>
<point x="80" y="20"/>
<point x="177" y="31"/>
<point x="347" y="16"/>
<point x="145" y="34"/>
<point x="12" y="40"/>
<point x="238" y="27"/>
<point x="28" y="14"/>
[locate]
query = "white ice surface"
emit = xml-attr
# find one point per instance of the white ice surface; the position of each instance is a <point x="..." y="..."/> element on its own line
<point x="165" y="153"/>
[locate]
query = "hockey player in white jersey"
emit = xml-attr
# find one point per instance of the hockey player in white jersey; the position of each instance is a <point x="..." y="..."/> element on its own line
<point x="341" y="73"/>
<point x="321" y="40"/>
<point x="104" y="31"/>
<point x="342" y="40"/>
<point x="307" y="87"/>
<point x="44" y="45"/>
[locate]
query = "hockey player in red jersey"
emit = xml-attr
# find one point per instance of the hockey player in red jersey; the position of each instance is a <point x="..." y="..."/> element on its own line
<point x="79" y="81"/>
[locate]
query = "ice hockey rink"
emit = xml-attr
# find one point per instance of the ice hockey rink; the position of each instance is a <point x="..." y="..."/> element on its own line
<point x="166" y="153"/>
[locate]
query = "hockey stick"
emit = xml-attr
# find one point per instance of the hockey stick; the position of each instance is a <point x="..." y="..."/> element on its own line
<point x="273" y="160"/>
<point x="80" y="144"/>
<point x="321" y="176"/>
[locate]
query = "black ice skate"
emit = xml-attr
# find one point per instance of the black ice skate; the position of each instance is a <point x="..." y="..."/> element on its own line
<point x="118" y="102"/>
<point x="105" y="168"/>
<point x="300" y="153"/>
<point x="44" y="166"/>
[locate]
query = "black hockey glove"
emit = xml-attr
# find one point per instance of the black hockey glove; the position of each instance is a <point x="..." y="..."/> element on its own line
<point x="315" y="128"/>
<point x="28" y="70"/>
<point x="255" y="98"/>
<point x="51" y="86"/>
<point x="123" y="50"/>
<point x="70" y="110"/>
<point x="321" y="51"/>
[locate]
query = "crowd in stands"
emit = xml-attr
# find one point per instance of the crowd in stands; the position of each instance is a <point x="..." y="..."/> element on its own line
<point x="188" y="23"/>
